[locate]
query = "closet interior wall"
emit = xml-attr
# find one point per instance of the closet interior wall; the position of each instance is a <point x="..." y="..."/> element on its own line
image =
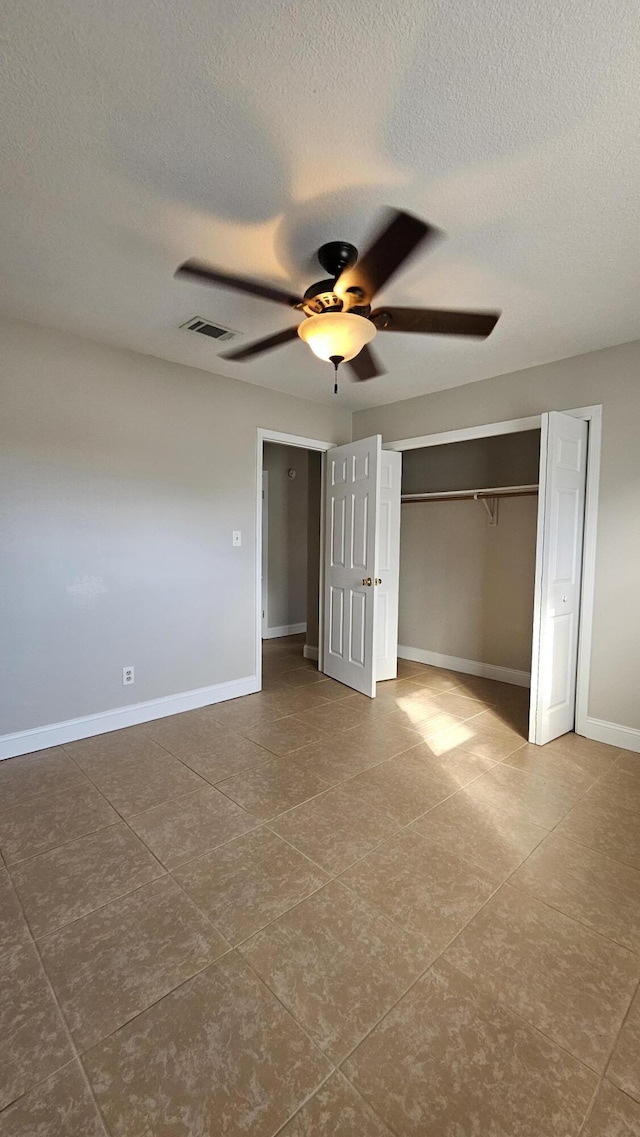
<point x="467" y="587"/>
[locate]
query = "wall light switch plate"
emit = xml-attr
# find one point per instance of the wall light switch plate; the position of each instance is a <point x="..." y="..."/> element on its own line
<point x="237" y="537"/>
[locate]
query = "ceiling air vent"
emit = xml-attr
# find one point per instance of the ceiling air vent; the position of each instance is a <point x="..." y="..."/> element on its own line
<point x="206" y="328"/>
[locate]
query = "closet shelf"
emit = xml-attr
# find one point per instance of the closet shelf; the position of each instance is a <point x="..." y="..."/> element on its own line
<point x="470" y="495"/>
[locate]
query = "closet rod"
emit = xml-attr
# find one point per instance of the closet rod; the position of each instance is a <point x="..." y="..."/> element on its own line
<point x="470" y="495"/>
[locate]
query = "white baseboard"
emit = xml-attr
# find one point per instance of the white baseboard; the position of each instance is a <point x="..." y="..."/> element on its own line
<point x="310" y="652"/>
<point x="466" y="666"/>
<point x="285" y="630"/>
<point x="26" y="741"/>
<point x="624" y="737"/>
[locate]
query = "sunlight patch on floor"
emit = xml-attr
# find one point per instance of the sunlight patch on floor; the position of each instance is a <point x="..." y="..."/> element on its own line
<point x="456" y="736"/>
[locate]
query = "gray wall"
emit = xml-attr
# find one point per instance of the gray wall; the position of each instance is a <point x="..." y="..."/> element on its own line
<point x="466" y="587"/>
<point x="287" y="535"/>
<point x="504" y="460"/>
<point x="122" y="479"/>
<point x="610" y="377"/>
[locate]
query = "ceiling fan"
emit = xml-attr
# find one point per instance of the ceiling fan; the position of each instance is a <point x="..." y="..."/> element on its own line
<point x="340" y="322"/>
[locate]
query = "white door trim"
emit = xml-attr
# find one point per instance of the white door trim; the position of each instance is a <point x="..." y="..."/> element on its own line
<point x="264" y="560"/>
<point x="263" y="435"/>
<point x="444" y="437"/>
<point x="593" y="415"/>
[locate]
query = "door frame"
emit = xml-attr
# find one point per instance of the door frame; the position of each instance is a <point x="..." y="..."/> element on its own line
<point x="263" y="435"/>
<point x="593" y="416"/>
<point x="264" y="604"/>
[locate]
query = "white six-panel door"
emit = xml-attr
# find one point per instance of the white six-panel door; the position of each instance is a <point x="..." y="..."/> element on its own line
<point x="563" y="468"/>
<point x="351" y="511"/>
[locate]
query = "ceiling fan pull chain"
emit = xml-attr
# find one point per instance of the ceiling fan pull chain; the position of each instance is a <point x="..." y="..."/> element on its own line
<point x="336" y="360"/>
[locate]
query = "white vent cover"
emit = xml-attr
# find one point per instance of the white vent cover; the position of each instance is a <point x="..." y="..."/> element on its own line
<point x="206" y="328"/>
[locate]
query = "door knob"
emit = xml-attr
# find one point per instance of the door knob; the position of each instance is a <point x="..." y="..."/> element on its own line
<point x="367" y="580"/>
<point x="378" y="580"/>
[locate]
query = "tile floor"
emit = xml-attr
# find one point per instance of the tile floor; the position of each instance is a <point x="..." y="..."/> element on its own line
<point x="310" y="914"/>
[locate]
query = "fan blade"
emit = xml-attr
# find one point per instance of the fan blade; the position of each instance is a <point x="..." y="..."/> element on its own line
<point x="401" y="236"/>
<point x="366" y="365"/>
<point x="435" y="321"/>
<point x="198" y="271"/>
<point x="265" y="344"/>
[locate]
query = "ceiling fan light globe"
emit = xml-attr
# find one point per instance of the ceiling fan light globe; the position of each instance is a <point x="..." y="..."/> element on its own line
<point x="336" y="334"/>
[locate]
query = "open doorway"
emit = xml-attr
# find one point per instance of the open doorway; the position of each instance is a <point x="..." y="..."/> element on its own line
<point x="467" y="565"/>
<point x="291" y="520"/>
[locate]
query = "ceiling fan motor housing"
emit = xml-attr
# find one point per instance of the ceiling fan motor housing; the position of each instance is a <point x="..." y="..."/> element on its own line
<point x="320" y="297"/>
<point x="336" y="256"/>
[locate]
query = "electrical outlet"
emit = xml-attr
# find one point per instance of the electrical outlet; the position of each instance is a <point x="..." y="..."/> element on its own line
<point x="237" y="537"/>
<point x="128" y="676"/>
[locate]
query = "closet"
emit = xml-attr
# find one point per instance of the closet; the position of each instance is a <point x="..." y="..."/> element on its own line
<point x="467" y="555"/>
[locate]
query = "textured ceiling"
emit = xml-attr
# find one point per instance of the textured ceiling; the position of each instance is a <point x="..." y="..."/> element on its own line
<point x="135" y="135"/>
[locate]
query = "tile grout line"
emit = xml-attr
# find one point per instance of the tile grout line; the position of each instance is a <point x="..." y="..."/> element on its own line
<point x="423" y="741"/>
<point x="402" y="826"/>
<point x="330" y="874"/>
<point x="32" y="943"/>
<point x="603" y="1076"/>
<point x="263" y="927"/>
<point x="306" y="1101"/>
<point x="459" y="933"/>
<point x="212" y="963"/>
<point x="336" y="1072"/>
<point x="73" y="1063"/>
<point x="50" y="793"/>
<point x="587" y="927"/>
<point x="183" y="797"/>
<point x="395" y="924"/>
<point x="597" y="852"/>
<point x="230" y="948"/>
<point x="77" y="919"/>
<point x="182" y="761"/>
<point x="169" y="873"/>
<point x="94" y="911"/>
<point x="62" y="845"/>
<point x="128" y="892"/>
<point x="512" y="1010"/>
<point x="290" y="1015"/>
<point x="63" y="1019"/>
<point x="266" y="826"/>
<point x="79" y="1053"/>
<point x="290" y="756"/>
<point x="572" y="841"/>
<point x="267" y="822"/>
<point x="332" y="878"/>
